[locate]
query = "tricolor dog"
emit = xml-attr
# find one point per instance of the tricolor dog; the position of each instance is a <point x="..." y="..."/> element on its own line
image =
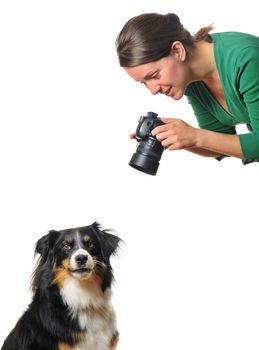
<point x="71" y="306"/>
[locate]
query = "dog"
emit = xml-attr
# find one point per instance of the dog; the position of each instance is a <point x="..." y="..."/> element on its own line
<point x="71" y="302"/>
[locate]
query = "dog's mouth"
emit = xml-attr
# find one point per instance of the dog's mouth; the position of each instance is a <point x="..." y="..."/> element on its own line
<point x="81" y="271"/>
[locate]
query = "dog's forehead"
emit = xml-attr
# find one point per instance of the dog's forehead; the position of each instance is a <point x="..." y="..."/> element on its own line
<point x="86" y="234"/>
<point x="73" y="234"/>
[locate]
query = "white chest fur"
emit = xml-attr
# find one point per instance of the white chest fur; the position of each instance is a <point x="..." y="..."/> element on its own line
<point x="94" y="312"/>
<point x="99" y="332"/>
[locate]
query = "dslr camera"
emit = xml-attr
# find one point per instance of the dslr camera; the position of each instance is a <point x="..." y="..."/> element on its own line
<point x="149" y="151"/>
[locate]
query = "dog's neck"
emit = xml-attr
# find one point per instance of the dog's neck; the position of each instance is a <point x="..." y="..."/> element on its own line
<point x="84" y="295"/>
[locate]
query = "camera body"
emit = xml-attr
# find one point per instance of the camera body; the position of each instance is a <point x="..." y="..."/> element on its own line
<point x="149" y="151"/>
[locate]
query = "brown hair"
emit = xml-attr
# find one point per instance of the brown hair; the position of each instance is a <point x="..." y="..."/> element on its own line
<point x="148" y="37"/>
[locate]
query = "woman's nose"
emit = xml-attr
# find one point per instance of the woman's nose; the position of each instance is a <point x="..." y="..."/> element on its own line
<point x="154" y="89"/>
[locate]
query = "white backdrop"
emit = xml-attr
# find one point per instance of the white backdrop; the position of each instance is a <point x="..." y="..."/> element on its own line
<point x="187" y="273"/>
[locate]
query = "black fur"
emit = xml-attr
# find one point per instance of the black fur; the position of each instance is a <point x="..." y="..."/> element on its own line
<point x="47" y="321"/>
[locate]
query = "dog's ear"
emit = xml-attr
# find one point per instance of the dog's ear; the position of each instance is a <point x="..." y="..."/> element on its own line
<point x="41" y="276"/>
<point x="45" y="244"/>
<point x="109" y="243"/>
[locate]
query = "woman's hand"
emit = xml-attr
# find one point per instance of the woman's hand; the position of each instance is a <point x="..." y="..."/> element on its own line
<point x="175" y="134"/>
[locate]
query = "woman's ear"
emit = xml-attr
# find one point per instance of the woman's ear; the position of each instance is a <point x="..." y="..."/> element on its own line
<point x="178" y="51"/>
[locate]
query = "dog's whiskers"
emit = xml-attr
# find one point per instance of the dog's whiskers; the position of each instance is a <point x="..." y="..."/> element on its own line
<point x="99" y="263"/>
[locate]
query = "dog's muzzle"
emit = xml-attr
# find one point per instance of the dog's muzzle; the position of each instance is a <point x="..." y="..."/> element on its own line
<point x="81" y="263"/>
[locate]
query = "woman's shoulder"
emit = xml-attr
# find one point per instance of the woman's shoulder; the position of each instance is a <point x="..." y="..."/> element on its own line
<point x="234" y="49"/>
<point x="235" y="40"/>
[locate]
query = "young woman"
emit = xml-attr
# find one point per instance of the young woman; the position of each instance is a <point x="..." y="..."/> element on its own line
<point x="219" y="74"/>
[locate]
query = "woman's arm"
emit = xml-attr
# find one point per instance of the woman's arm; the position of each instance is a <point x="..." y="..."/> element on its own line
<point x="220" y="143"/>
<point x="204" y="152"/>
<point x="175" y="134"/>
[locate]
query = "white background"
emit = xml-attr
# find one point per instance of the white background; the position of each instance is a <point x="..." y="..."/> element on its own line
<point x="187" y="273"/>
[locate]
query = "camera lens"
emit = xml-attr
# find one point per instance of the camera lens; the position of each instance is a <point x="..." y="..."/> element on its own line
<point x="147" y="156"/>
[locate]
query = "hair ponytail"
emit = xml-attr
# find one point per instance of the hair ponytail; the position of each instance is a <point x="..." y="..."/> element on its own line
<point x="203" y="34"/>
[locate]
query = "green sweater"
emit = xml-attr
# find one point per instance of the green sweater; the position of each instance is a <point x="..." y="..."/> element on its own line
<point x="237" y="60"/>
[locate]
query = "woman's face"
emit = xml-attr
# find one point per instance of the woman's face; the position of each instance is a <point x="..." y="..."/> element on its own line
<point x="168" y="76"/>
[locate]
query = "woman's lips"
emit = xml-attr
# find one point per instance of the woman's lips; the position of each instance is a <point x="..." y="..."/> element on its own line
<point x="168" y="92"/>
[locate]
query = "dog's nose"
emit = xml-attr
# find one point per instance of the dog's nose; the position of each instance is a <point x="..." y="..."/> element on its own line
<point x="81" y="259"/>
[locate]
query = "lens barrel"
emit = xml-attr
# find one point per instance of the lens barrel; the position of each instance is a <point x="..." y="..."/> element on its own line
<point x="147" y="156"/>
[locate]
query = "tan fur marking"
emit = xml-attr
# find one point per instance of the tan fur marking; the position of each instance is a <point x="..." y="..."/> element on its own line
<point x="61" y="274"/>
<point x="86" y="238"/>
<point x="114" y="342"/>
<point x="63" y="346"/>
<point x="69" y="239"/>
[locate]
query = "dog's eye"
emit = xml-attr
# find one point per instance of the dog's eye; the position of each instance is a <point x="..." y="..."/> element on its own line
<point x="89" y="244"/>
<point x="66" y="247"/>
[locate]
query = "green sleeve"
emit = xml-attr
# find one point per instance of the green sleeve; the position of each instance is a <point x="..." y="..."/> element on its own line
<point x="248" y="81"/>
